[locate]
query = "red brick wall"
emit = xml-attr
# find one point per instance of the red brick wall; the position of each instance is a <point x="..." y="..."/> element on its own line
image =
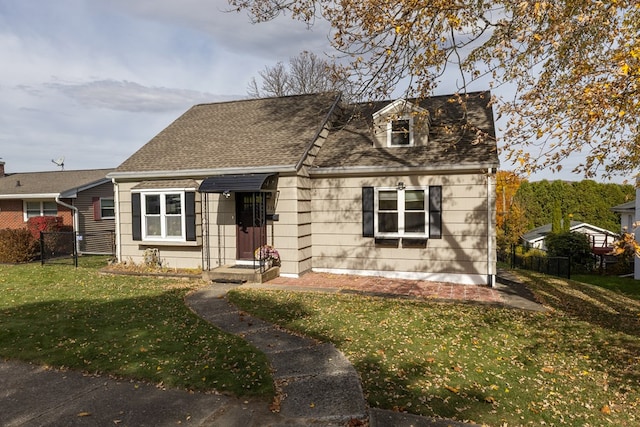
<point x="66" y="214"/>
<point x="12" y="214"/>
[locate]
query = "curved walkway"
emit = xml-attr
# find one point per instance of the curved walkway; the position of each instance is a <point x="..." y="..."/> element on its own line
<point x="317" y="385"/>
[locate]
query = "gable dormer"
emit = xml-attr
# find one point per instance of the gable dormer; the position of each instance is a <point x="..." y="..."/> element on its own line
<point x="401" y="124"/>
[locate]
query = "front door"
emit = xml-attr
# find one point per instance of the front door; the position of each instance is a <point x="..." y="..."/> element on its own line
<point x="251" y="230"/>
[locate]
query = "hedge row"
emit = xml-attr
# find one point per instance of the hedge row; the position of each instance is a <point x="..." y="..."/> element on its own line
<point x="18" y="246"/>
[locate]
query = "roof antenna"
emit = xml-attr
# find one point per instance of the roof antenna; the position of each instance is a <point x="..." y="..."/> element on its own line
<point x="59" y="162"/>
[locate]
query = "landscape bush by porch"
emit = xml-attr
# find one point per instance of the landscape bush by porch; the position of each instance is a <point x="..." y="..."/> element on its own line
<point x="17" y="246"/>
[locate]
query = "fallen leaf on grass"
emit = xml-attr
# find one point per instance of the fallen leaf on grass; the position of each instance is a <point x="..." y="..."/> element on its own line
<point x="452" y="389"/>
<point x="606" y="410"/>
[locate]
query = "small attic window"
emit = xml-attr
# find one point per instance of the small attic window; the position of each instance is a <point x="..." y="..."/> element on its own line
<point x="400" y="132"/>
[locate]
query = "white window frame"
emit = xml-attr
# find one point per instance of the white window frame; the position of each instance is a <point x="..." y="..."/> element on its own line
<point x="390" y="131"/>
<point x="41" y="213"/>
<point x="163" y="216"/>
<point x="400" y="210"/>
<point x="102" y="216"/>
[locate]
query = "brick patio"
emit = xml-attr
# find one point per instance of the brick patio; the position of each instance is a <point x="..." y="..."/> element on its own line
<point x="381" y="285"/>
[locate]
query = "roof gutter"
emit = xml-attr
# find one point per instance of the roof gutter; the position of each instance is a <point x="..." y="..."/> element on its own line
<point x="30" y="196"/>
<point x="190" y="173"/>
<point x="401" y="170"/>
<point x="317" y="135"/>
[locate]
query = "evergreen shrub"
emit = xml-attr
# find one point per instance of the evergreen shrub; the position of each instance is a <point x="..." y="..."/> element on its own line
<point x="571" y="244"/>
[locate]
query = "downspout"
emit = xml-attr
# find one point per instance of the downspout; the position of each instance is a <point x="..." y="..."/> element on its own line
<point x="116" y="203"/>
<point x="73" y="208"/>
<point x="636" y="260"/>
<point x="491" y="277"/>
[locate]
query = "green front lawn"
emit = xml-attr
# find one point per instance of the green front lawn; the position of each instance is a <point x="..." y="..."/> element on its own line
<point x="578" y="364"/>
<point x="488" y="365"/>
<point x="626" y="285"/>
<point x="127" y="326"/>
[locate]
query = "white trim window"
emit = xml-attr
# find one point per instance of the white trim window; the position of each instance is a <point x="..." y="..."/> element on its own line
<point x="401" y="212"/>
<point x="400" y="132"/>
<point x="107" y="208"/>
<point x="163" y="215"/>
<point x="39" y="208"/>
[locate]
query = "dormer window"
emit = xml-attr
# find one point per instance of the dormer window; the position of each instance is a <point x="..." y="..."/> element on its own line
<point x="400" y="124"/>
<point x="400" y="132"/>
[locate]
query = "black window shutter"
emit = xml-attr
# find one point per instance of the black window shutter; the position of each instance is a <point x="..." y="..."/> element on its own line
<point x="136" y="216"/>
<point x="435" y="212"/>
<point x="367" y="212"/>
<point x="190" y="214"/>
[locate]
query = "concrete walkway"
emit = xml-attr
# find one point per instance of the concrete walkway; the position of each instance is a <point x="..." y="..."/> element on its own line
<point x="317" y="384"/>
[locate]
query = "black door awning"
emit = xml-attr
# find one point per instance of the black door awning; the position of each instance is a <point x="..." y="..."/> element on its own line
<point x="250" y="183"/>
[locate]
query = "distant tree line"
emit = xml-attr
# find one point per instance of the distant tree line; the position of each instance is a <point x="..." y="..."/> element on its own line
<point x="522" y="205"/>
<point x="584" y="201"/>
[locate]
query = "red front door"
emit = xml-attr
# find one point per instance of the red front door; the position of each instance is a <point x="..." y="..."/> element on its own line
<point x="251" y="230"/>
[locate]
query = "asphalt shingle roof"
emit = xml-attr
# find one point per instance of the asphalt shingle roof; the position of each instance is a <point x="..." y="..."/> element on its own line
<point x="275" y="132"/>
<point x="449" y="144"/>
<point x="52" y="182"/>
<point x="629" y="206"/>
<point x="238" y="134"/>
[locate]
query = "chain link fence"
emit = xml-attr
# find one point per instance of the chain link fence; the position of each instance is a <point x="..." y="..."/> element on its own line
<point x="64" y="247"/>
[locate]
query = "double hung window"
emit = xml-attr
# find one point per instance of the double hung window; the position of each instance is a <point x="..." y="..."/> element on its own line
<point x="107" y="208"/>
<point x="163" y="216"/>
<point x="40" y="208"/>
<point x="401" y="212"/>
<point x="400" y="132"/>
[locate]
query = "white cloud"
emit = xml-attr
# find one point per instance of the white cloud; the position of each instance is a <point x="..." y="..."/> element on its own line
<point x="95" y="80"/>
<point x="133" y="97"/>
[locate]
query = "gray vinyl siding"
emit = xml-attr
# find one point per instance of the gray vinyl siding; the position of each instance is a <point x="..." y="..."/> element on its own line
<point x="95" y="235"/>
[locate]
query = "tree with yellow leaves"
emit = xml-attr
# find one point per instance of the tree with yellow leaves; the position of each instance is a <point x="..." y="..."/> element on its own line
<point x="627" y="246"/>
<point x="574" y="66"/>
<point x="507" y="184"/>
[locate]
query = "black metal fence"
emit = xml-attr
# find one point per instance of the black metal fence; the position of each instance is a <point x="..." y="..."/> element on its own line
<point x="58" y="247"/>
<point x="63" y="247"/>
<point x="555" y="266"/>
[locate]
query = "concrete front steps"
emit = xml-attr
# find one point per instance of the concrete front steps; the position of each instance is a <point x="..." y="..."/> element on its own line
<point x="240" y="274"/>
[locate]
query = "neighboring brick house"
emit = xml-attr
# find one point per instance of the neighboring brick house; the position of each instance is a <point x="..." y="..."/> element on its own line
<point x="82" y="198"/>
<point x="395" y="188"/>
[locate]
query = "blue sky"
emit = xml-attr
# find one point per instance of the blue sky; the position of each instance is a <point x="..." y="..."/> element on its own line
<point x="93" y="81"/>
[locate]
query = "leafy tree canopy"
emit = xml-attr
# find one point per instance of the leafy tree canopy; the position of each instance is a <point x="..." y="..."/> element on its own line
<point x="574" y="65"/>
